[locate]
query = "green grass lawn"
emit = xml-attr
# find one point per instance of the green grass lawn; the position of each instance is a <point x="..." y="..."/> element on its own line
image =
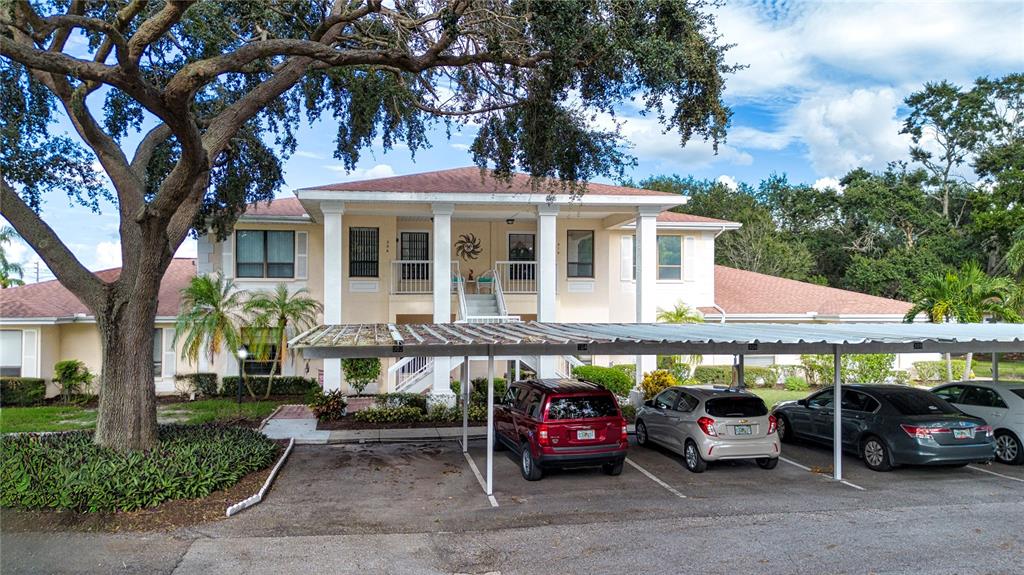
<point x="1007" y="369"/>
<point x="67" y="418"/>
<point x="773" y="396"/>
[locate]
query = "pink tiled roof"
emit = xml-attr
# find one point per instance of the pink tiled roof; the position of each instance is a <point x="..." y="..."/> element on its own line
<point x="676" y="217"/>
<point x="51" y="299"/>
<point x="469" y="181"/>
<point x="278" y="207"/>
<point x="745" y="292"/>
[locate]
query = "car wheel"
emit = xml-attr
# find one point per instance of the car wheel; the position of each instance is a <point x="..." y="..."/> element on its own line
<point x="1008" y="448"/>
<point x="767" y="462"/>
<point x="694" y="461"/>
<point x="527" y="465"/>
<point x="641" y="433"/>
<point x="875" y="454"/>
<point x="782" y="428"/>
<point x="612" y="468"/>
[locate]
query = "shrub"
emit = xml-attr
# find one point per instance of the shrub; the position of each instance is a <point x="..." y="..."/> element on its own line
<point x="657" y="381"/>
<point x="361" y="371"/>
<point x="796" y="383"/>
<point x="478" y="392"/>
<point x="627" y="368"/>
<point x="69" y="471"/>
<point x="73" y="377"/>
<point x="416" y="400"/>
<point x="768" y="375"/>
<point x="283" y="384"/>
<point x="204" y="384"/>
<point x="629" y="412"/>
<point x="854" y="368"/>
<point x="613" y="380"/>
<point x="713" y="374"/>
<point x="329" y="406"/>
<point x="21" y="391"/>
<point x="935" y="371"/>
<point x="389" y="415"/>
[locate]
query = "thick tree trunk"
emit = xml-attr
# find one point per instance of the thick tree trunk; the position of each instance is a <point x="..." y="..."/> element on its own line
<point x="127" y="412"/>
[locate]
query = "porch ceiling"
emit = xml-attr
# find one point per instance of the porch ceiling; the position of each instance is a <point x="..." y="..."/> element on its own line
<point x="534" y="338"/>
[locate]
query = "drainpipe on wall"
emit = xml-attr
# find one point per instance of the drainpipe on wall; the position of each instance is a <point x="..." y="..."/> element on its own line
<point x="721" y="312"/>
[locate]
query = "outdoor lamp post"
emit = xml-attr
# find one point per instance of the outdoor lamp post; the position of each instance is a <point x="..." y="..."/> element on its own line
<point x="243" y="352"/>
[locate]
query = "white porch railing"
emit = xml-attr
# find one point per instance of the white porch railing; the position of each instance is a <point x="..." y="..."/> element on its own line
<point x="416" y="276"/>
<point x="564" y="365"/>
<point x="517" y="277"/>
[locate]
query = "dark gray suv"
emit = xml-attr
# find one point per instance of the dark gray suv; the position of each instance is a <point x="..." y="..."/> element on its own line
<point x="889" y="425"/>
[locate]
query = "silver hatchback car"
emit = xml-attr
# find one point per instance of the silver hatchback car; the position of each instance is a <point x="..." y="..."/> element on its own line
<point x="705" y="423"/>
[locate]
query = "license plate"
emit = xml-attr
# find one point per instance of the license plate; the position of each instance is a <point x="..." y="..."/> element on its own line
<point x="585" y="434"/>
<point x="741" y="430"/>
<point x="963" y="433"/>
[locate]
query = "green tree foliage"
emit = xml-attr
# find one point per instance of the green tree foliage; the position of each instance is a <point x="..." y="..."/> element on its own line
<point x="10" y="272"/>
<point x="276" y="316"/>
<point x="210" y="319"/>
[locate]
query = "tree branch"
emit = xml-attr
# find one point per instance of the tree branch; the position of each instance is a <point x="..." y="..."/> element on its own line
<point x="152" y="29"/>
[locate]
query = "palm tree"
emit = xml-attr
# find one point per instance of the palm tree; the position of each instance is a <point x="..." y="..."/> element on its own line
<point x="274" y="315"/>
<point x="967" y="295"/>
<point x="682" y="313"/>
<point x="10" y="272"/>
<point x="209" y="320"/>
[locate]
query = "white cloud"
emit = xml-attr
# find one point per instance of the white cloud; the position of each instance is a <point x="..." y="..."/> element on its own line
<point x="310" y="155"/>
<point x="108" y="255"/>
<point x="827" y="183"/>
<point x="650" y="142"/>
<point x="187" y="249"/>
<point x="462" y="147"/>
<point x="728" y="181"/>
<point x="378" y="171"/>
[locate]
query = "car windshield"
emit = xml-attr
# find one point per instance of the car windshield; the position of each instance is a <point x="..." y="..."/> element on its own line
<point x="735" y="407"/>
<point x="909" y="403"/>
<point x="581" y="407"/>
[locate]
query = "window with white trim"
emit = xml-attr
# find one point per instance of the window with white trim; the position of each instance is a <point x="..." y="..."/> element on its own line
<point x="670" y="258"/>
<point x="363" y="252"/>
<point x="158" y="352"/>
<point x="264" y="254"/>
<point x="10" y="353"/>
<point x="580" y="256"/>
<point x="627" y="263"/>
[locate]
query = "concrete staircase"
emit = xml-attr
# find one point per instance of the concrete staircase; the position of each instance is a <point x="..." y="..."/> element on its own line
<point x="482" y="305"/>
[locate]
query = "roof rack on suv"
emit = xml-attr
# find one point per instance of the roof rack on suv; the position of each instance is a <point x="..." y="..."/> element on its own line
<point x="564" y="384"/>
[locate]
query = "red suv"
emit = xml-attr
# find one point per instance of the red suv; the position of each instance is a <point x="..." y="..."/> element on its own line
<point x="561" y="423"/>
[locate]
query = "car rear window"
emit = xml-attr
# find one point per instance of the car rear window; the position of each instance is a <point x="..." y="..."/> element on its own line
<point x="582" y="407"/>
<point x="735" y="407"/>
<point x="920" y="404"/>
<point x="1019" y="392"/>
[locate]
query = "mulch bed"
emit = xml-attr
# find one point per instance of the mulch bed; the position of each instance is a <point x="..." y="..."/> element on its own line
<point x="348" y="423"/>
<point x="164" y="517"/>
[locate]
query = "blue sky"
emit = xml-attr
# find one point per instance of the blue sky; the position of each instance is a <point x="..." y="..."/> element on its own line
<point x="822" y="94"/>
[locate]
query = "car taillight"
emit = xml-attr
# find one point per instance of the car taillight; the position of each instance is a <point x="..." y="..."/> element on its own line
<point x="542" y="434"/>
<point x="987" y="429"/>
<point x="771" y="424"/>
<point x="707" y="425"/>
<point x="922" y="432"/>
<point x="625" y="431"/>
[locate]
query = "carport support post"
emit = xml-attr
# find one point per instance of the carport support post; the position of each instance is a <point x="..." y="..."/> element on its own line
<point x="837" y="417"/>
<point x="490" y="425"/>
<point x="995" y="366"/>
<point x="464" y="388"/>
<point x="740" y="381"/>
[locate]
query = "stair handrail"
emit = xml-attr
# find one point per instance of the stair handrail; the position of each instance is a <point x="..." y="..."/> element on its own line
<point x="460" y="289"/>
<point x="499" y="295"/>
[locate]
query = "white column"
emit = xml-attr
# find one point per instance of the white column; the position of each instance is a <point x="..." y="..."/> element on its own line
<point x="837" y="415"/>
<point x="441" y="391"/>
<point x="547" y="278"/>
<point x="464" y="388"/>
<point x="490" y="425"/>
<point x="333" y="258"/>
<point x="646" y="258"/>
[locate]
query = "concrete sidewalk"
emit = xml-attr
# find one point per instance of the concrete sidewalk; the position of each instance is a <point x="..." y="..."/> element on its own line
<point x="298" y="422"/>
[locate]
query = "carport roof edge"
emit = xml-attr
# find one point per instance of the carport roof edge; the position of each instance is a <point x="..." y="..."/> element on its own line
<point x="537" y="338"/>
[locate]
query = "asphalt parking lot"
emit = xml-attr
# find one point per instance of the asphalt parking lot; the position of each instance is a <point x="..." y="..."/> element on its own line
<point x="419" y="508"/>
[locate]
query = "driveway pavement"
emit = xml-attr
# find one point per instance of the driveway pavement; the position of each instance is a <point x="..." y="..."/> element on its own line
<point x="418" y="508"/>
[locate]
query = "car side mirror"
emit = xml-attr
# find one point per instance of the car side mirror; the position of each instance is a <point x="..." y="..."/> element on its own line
<point x="649" y="403"/>
<point x="801" y="402"/>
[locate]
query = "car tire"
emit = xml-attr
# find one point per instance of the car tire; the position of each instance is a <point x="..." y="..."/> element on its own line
<point x="875" y="454"/>
<point x="641" y="433"/>
<point x="528" y="465"/>
<point x="692" y="458"/>
<point x="612" y="469"/>
<point x="1008" y="448"/>
<point x="783" y="429"/>
<point x="767" y="462"/>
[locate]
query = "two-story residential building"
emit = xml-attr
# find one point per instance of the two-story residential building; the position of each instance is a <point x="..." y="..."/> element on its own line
<point x="459" y="245"/>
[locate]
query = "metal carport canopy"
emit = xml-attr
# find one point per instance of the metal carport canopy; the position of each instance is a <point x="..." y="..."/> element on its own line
<point x="535" y="338"/>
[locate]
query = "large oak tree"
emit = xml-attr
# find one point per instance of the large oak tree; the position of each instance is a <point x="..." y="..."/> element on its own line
<point x="210" y="95"/>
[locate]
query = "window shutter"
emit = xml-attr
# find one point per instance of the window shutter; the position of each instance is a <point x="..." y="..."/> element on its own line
<point x="228" y="256"/>
<point x="169" y="355"/>
<point x="689" y="257"/>
<point x="301" y="255"/>
<point x="626" y="258"/>
<point x="30" y="353"/>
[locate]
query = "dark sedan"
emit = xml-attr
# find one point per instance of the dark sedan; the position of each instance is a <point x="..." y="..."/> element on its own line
<point x="889" y="425"/>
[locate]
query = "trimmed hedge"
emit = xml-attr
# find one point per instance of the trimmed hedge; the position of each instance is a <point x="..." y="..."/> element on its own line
<point x="283" y="385"/>
<point x="614" y="380"/>
<point x="713" y="374"/>
<point x="935" y="371"/>
<point x="389" y="415"/>
<point x="445" y="414"/>
<point x="390" y="400"/>
<point x="768" y="374"/>
<point x="204" y="384"/>
<point x="69" y="471"/>
<point x="22" y="391"/>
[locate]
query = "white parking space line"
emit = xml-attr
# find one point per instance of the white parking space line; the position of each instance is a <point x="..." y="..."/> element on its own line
<point x="651" y="476"/>
<point x="805" y="468"/>
<point x="994" y="473"/>
<point x="480" y="479"/>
